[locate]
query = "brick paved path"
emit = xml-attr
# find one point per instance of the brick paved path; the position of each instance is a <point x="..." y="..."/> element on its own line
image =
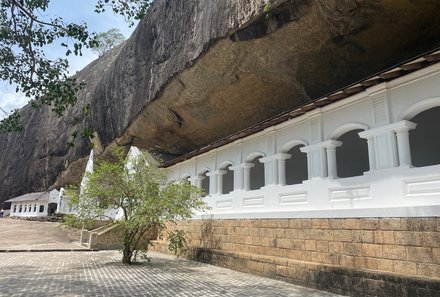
<point x="102" y="274"/>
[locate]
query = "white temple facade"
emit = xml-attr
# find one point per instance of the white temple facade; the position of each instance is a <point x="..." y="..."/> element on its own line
<point x="41" y="204"/>
<point x="372" y="154"/>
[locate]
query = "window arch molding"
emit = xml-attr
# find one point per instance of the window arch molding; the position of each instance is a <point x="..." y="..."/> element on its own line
<point x="254" y="172"/>
<point x="348" y="156"/>
<point x="225" y="164"/>
<point x="292" y="167"/>
<point x="203" y="171"/>
<point x="292" y="143"/>
<point x="254" y="155"/>
<point x="341" y="130"/>
<point x="416" y="108"/>
<point x="185" y="176"/>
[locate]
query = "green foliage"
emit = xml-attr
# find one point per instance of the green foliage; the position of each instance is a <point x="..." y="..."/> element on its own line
<point x="137" y="186"/>
<point x="108" y="40"/>
<point x="25" y="34"/>
<point x="76" y="222"/>
<point x="11" y="123"/>
<point x="177" y="242"/>
<point x="129" y="9"/>
<point x="266" y="8"/>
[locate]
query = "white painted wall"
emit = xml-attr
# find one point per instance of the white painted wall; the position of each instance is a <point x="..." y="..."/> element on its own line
<point x="391" y="187"/>
<point x="32" y="208"/>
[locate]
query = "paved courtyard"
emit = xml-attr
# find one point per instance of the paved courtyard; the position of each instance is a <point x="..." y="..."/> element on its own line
<point x="102" y="274"/>
<point x="28" y="235"/>
<point x="85" y="273"/>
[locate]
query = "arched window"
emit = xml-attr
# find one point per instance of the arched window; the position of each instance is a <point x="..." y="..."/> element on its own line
<point x="424" y="140"/>
<point x="228" y="180"/>
<point x="35" y="208"/>
<point x="256" y="174"/>
<point x="15" y="207"/>
<point x="352" y="155"/>
<point x="20" y="209"/>
<point x="25" y="208"/>
<point x="296" y="166"/>
<point x="204" y="182"/>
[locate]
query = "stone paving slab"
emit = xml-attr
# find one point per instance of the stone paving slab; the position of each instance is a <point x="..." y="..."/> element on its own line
<point x="101" y="274"/>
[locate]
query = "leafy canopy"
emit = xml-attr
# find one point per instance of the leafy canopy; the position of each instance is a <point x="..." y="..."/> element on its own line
<point x="25" y="33"/>
<point x="137" y="186"/>
<point x="108" y="40"/>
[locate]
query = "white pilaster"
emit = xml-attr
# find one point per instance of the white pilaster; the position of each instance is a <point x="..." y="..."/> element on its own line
<point x="281" y="168"/>
<point x="219" y="174"/>
<point x="403" y="148"/>
<point x="247" y="175"/>
<point x="371" y="152"/>
<point x="212" y="182"/>
<point x="316" y="160"/>
<point x="330" y="147"/>
<point x="271" y="171"/>
<point x="238" y="177"/>
<point x="384" y="149"/>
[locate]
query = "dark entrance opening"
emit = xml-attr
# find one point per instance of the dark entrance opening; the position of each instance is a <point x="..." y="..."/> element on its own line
<point x="51" y="208"/>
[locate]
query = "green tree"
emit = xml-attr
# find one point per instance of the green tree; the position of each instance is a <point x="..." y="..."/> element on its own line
<point x="25" y="33"/>
<point x="107" y="40"/>
<point x="137" y="186"/>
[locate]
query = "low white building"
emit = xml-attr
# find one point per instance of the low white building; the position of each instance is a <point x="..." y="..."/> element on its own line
<point x="369" y="150"/>
<point x="38" y="204"/>
<point x="41" y="204"/>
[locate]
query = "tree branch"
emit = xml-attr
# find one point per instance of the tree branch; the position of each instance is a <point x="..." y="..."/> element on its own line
<point x="33" y="18"/>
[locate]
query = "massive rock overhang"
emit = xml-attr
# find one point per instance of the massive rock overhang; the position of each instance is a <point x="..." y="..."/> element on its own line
<point x="197" y="71"/>
<point x="402" y="69"/>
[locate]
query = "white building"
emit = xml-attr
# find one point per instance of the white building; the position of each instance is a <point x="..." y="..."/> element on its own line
<point x="369" y="150"/>
<point x="40" y="204"/>
<point x="110" y="213"/>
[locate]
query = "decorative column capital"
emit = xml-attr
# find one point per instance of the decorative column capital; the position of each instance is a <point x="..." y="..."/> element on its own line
<point x="283" y="156"/>
<point x="397" y="127"/>
<point x="331" y="144"/>
<point x="217" y="172"/>
<point x="242" y="166"/>
<point x="405" y="126"/>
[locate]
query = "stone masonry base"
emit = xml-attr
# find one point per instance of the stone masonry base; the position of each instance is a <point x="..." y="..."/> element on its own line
<point x="359" y="257"/>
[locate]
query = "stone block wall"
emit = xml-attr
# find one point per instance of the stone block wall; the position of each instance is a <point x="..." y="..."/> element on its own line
<point x="110" y="237"/>
<point x="324" y="252"/>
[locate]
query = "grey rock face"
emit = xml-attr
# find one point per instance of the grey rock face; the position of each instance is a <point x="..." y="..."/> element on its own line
<point x="198" y="70"/>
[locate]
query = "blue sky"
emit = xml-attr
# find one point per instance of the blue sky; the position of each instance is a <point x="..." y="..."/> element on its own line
<point x="71" y="11"/>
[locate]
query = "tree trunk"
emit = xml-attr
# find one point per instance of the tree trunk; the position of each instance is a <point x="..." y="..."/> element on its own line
<point x="127" y="254"/>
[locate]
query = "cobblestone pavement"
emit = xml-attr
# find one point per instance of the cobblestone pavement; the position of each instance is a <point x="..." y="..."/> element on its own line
<point x="102" y="274"/>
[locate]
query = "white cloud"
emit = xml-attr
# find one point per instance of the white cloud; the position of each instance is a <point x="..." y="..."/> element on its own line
<point x="10" y="100"/>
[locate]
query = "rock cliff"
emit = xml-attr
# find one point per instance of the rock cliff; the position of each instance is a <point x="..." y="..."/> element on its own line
<point x="198" y="70"/>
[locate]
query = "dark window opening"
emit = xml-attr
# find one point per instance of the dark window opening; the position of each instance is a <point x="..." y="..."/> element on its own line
<point x="296" y="166"/>
<point x="257" y="174"/>
<point x="352" y="156"/>
<point x="228" y="180"/>
<point x="424" y="140"/>
<point x="205" y="183"/>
